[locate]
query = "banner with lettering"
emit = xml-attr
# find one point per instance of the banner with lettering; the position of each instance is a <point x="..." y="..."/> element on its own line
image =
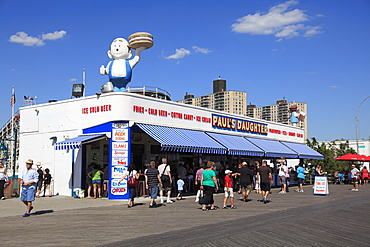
<point x="321" y="186"/>
<point x="120" y="158"/>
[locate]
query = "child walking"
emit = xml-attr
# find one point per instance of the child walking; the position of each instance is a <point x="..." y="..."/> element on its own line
<point x="180" y="188"/>
<point x="229" y="190"/>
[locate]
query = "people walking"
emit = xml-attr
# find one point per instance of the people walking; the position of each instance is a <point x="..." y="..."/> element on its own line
<point x="246" y="180"/>
<point x="365" y="175"/>
<point x="300" y="177"/>
<point x="29" y="179"/>
<point x="198" y="180"/>
<point x="180" y="188"/>
<point x="47" y="182"/>
<point x="283" y="171"/>
<point x="355" y="177"/>
<point x="152" y="181"/>
<point x="3" y="178"/>
<point x="257" y="182"/>
<point x="264" y="173"/>
<point x="41" y="179"/>
<point x="209" y="186"/>
<point x="228" y="189"/>
<point x="164" y="170"/>
<point x="132" y="178"/>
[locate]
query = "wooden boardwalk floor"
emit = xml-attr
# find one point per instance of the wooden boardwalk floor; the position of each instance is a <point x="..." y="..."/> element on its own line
<point x="294" y="219"/>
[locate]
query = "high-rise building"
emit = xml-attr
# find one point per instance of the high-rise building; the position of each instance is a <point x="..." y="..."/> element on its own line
<point x="222" y="100"/>
<point x="279" y="113"/>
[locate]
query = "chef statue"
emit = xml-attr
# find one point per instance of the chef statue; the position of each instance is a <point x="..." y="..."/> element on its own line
<point x="296" y="116"/>
<point x="119" y="70"/>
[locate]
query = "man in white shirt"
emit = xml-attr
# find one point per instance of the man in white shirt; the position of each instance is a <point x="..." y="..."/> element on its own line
<point x="29" y="180"/>
<point x="355" y="173"/>
<point x="165" y="173"/>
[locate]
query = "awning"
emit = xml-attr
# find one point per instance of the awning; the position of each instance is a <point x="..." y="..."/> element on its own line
<point x="237" y="145"/>
<point x="304" y="151"/>
<point x="182" y="140"/>
<point x="76" y="142"/>
<point x="273" y="148"/>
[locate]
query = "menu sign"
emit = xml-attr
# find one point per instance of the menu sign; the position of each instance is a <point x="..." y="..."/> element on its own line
<point x="120" y="156"/>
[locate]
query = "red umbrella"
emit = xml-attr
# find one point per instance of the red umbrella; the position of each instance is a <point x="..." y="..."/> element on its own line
<point x="354" y="157"/>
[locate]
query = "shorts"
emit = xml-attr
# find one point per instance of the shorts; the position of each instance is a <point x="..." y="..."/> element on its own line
<point x="153" y="192"/>
<point x="88" y="181"/>
<point x="300" y="180"/>
<point x="282" y="179"/>
<point x="265" y="186"/>
<point x="28" y="195"/>
<point x="180" y="192"/>
<point x="355" y="180"/>
<point x="39" y="185"/>
<point x="166" y="186"/>
<point x="229" y="192"/>
<point x="47" y="186"/>
<point x="247" y="188"/>
<point x="96" y="181"/>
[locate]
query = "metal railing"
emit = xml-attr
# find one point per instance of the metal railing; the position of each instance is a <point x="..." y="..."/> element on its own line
<point x="154" y="92"/>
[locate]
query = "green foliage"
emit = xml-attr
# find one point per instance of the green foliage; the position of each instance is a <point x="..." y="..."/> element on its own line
<point x="331" y="150"/>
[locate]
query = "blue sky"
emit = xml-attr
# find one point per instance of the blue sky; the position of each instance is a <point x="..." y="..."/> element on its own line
<point x="317" y="52"/>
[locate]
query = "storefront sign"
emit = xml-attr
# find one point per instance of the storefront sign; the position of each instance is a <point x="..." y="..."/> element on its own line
<point x="96" y="109"/>
<point x="120" y="156"/>
<point x="238" y="125"/>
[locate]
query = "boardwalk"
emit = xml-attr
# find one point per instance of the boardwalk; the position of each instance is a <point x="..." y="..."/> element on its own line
<point x="294" y="219"/>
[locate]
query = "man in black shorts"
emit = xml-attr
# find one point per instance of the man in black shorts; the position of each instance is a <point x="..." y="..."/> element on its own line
<point x="264" y="173"/>
<point x="246" y="179"/>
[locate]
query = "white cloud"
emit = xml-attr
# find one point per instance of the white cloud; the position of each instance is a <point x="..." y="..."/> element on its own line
<point x="201" y="50"/>
<point x="73" y="79"/>
<point x="279" y="21"/>
<point x="334" y="86"/>
<point x="54" y="36"/>
<point x="180" y="53"/>
<point x="23" y="38"/>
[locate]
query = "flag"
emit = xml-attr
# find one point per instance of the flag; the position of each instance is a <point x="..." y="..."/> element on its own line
<point x="12" y="99"/>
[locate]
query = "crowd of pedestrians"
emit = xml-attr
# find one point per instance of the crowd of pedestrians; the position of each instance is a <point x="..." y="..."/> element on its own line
<point x="161" y="180"/>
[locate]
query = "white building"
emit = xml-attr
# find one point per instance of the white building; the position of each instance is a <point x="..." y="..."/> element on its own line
<point x="116" y="129"/>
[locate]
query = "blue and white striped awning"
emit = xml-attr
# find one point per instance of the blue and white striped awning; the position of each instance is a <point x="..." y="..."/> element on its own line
<point x="237" y="145"/>
<point x="182" y="140"/>
<point x="273" y="148"/>
<point x="76" y="142"/>
<point x="304" y="151"/>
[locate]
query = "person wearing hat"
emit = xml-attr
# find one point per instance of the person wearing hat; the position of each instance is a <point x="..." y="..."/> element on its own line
<point x="228" y="190"/>
<point x="355" y="177"/>
<point x="29" y="179"/>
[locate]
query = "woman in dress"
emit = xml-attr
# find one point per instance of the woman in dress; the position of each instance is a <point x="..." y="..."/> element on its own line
<point x="209" y="185"/>
<point x="133" y="176"/>
<point x="365" y="175"/>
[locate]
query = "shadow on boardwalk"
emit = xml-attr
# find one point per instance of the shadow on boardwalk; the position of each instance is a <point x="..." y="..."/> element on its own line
<point x="294" y="219"/>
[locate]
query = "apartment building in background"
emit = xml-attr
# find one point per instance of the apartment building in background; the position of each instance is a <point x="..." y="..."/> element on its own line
<point x="279" y="113"/>
<point x="221" y="99"/>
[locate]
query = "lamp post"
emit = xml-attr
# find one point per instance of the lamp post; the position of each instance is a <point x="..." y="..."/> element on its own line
<point x="358" y="109"/>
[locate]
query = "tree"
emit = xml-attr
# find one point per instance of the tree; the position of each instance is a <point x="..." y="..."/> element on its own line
<point x="331" y="150"/>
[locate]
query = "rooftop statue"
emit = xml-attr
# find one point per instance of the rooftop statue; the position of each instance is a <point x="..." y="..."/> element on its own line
<point x="119" y="70"/>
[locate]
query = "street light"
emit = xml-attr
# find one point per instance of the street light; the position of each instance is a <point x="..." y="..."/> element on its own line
<point x="357" y="122"/>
